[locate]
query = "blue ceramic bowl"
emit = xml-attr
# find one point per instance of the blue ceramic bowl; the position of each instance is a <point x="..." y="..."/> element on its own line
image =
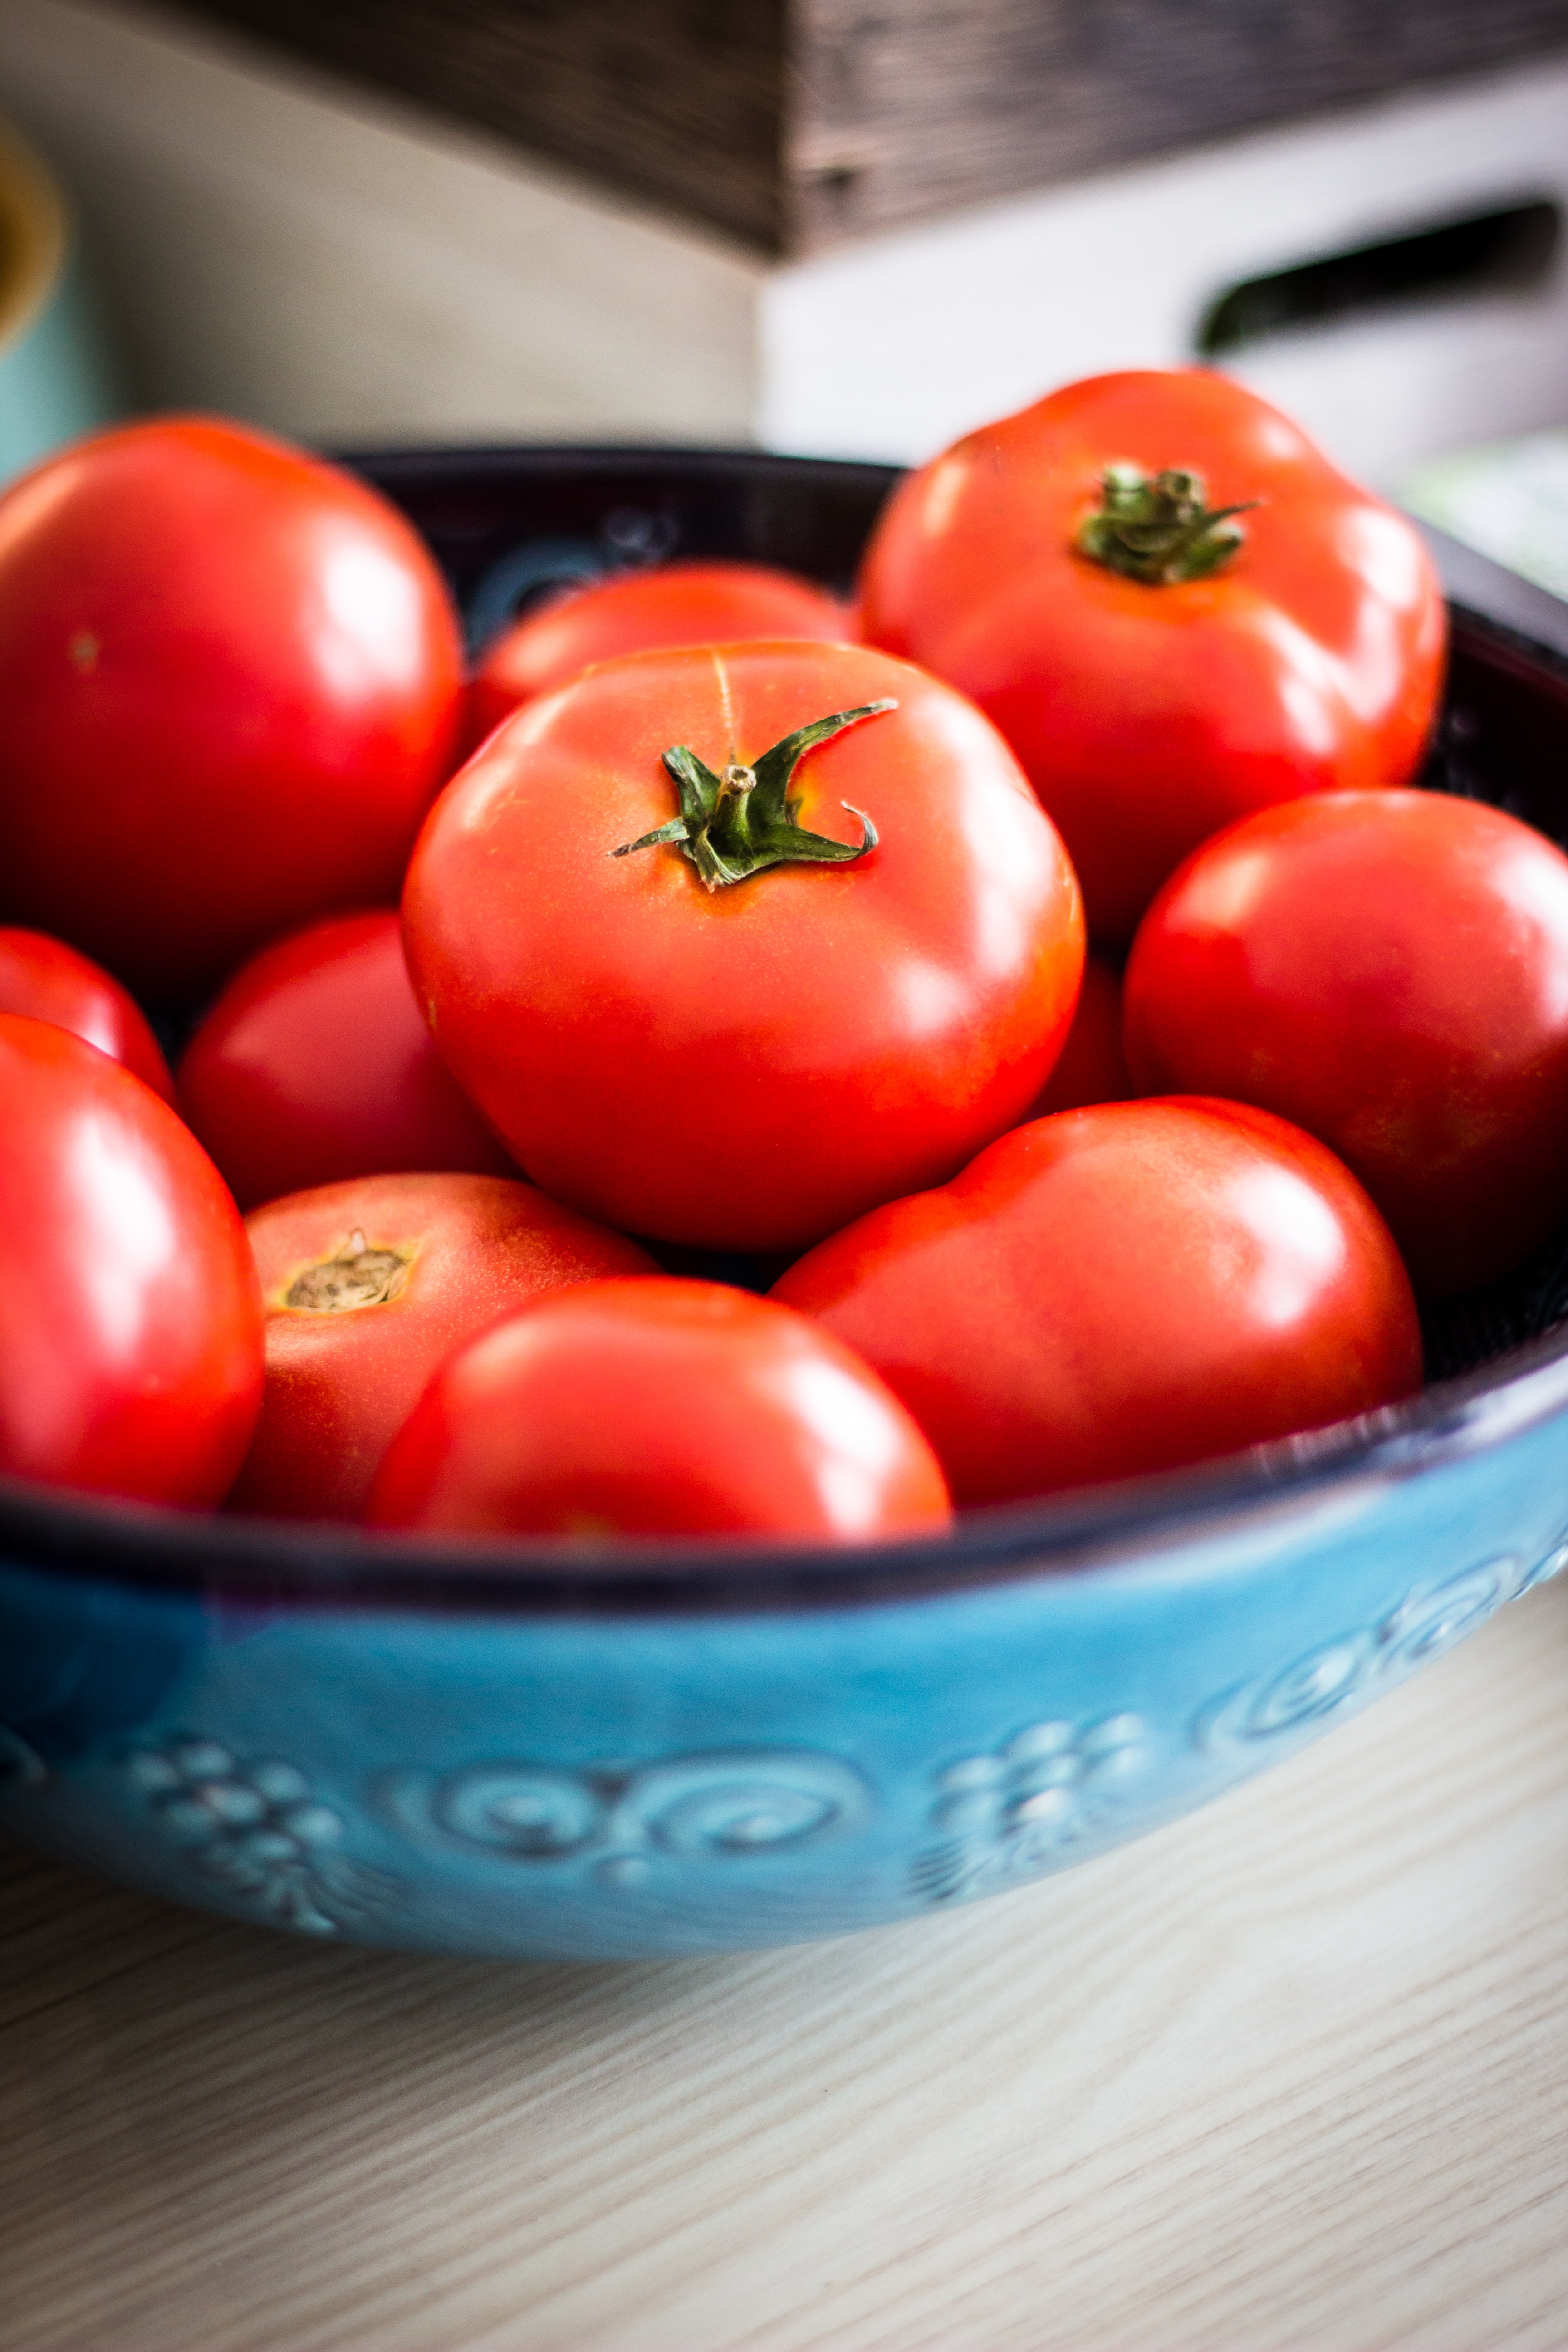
<point x="539" y="1752"/>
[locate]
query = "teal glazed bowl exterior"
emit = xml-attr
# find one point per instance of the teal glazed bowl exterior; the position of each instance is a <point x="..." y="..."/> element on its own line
<point x="548" y="1751"/>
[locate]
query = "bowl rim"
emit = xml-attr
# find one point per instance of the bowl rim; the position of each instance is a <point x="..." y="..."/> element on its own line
<point x="1149" y="1523"/>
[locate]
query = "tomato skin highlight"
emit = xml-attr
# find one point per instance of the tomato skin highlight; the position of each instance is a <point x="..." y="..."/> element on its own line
<point x="131" y="1355"/>
<point x="1148" y="717"/>
<point x="716" y="604"/>
<point x="1389" y="971"/>
<point x="1122" y="1289"/>
<point x="47" y="981"/>
<point x="663" y="1407"/>
<point x="230" y="683"/>
<point x="315" y="1065"/>
<point x="340" y="1383"/>
<point x="751" y="1067"/>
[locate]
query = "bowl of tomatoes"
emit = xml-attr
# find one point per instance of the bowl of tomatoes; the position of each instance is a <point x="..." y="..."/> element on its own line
<point x="346" y="1705"/>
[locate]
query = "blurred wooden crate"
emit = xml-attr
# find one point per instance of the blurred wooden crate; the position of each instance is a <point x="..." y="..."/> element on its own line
<point x="924" y="213"/>
<point x="795" y="124"/>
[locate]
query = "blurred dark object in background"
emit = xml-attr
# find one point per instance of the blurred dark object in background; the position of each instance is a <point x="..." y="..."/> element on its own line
<point x="795" y="126"/>
<point x="857" y="228"/>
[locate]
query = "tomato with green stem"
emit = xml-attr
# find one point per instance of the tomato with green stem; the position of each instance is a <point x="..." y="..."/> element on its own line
<point x="729" y="944"/>
<point x="1174" y="608"/>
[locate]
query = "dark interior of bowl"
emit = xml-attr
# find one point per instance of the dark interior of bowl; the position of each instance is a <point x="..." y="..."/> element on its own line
<point x="506" y="526"/>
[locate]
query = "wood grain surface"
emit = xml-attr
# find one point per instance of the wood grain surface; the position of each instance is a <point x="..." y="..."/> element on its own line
<point x="1291" y="2076"/>
<point x="798" y="124"/>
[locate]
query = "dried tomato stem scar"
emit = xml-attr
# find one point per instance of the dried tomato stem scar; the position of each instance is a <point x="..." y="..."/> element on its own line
<point x="355" y="1276"/>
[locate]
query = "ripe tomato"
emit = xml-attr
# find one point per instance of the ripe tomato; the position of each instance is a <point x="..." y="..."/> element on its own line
<point x="1091" y="1068"/>
<point x="637" y="612"/>
<point x="229" y="686"/>
<point x="1122" y="1289"/>
<point x="1389" y="970"/>
<point x="315" y="1064"/>
<point x="366" y="1286"/>
<point x="49" y="982"/>
<point x="747" y="1066"/>
<point x="1171" y="605"/>
<point x="660" y="1407"/>
<point x="130" y="1327"/>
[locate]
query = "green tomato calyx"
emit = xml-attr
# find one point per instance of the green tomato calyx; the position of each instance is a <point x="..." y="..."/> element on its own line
<point x="1159" y="532"/>
<point x="733" y="827"/>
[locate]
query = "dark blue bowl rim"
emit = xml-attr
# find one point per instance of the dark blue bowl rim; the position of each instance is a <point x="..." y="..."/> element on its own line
<point x="1137" y="1521"/>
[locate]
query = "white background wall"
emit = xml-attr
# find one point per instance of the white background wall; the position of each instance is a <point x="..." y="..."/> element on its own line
<point x="897" y="345"/>
<point x="280" y="247"/>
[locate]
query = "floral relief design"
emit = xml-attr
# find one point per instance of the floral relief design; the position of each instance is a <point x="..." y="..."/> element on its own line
<point x="616" y="1824"/>
<point x="1009" y="1814"/>
<point x="1353" y="1668"/>
<point x="257" y="1830"/>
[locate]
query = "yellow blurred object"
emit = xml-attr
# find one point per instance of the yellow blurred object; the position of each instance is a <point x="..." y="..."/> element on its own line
<point x="55" y="376"/>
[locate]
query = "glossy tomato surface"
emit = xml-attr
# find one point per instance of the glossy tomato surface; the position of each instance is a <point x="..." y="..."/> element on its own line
<point x="130" y="1356"/>
<point x="1149" y="716"/>
<point x="755" y="1064"/>
<point x="1122" y="1289"/>
<point x="49" y="982"/>
<point x="713" y="604"/>
<point x="315" y="1065"/>
<point x="366" y="1286"/>
<point x="1091" y="1067"/>
<point x="1389" y="971"/>
<point x="662" y="1407"/>
<point x="230" y="679"/>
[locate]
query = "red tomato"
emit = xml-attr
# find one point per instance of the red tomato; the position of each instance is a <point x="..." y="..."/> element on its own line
<point x="1389" y="970"/>
<point x="229" y="685"/>
<point x="1150" y="710"/>
<point x="659" y="1408"/>
<point x="746" y="1066"/>
<point x="366" y="1286"/>
<point x="315" y="1064"/>
<point x="1092" y="1069"/>
<point x="130" y="1327"/>
<point x="1122" y="1289"/>
<point x="638" y="612"/>
<point x="49" y="982"/>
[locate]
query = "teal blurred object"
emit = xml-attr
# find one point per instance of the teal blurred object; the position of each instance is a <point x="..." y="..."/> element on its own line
<point x="1508" y="500"/>
<point x="57" y="375"/>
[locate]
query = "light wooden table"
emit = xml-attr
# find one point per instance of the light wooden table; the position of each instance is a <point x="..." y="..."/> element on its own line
<point x="1293" y="2074"/>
